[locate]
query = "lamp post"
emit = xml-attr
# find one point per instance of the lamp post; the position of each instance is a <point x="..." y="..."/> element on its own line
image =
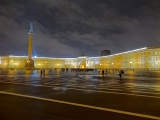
<point x="11" y="63"/>
<point x="46" y="64"/>
<point x="130" y="64"/>
<point x="15" y="65"/>
<point x="100" y="67"/>
<point x="39" y="65"/>
<point x="57" y="66"/>
<point x="112" y="65"/>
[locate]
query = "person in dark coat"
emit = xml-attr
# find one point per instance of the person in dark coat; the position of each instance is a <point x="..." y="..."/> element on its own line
<point x="120" y="73"/>
<point x="41" y="72"/>
<point x="102" y="72"/>
<point x="44" y="73"/>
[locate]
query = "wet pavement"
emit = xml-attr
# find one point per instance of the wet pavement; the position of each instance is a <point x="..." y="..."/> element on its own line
<point x="78" y="95"/>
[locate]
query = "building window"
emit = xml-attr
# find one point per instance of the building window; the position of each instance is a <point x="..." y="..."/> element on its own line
<point x="96" y="61"/>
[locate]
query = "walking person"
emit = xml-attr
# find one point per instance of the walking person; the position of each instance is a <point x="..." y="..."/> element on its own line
<point x="102" y="72"/>
<point x="120" y="73"/>
<point x="44" y="73"/>
<point x="41" y="72"/>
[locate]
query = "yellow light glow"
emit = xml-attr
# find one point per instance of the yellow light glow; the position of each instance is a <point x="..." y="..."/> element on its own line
<point x="130" y="62"/>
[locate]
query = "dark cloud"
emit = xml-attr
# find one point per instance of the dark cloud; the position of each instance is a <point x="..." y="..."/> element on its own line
<point x="66" y="28"/>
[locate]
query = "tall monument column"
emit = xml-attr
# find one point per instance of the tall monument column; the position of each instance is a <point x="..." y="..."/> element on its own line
<point x="30" y="62"/>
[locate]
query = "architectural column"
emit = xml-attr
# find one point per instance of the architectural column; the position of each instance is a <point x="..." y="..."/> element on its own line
<point x="30" y="62"/>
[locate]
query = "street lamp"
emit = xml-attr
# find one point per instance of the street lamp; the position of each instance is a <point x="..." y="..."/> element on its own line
<point x="39" y="65"/>
<point x="46" y="65"/>
<point x="15" y="65"/>
<point x="130" y="64"/>
<point x="11" y="62"/>
<point x="112" y="65"/>
<point x="100" y="66"/>
<point x="57" y="65"/>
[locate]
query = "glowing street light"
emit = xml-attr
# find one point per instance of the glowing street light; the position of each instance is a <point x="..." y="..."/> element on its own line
<point x="130" y="64"/>
<point x="112" y="65"/>
<point x="16" y="64"/>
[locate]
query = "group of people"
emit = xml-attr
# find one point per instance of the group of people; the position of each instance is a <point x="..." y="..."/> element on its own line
<point x="121" y="72"/>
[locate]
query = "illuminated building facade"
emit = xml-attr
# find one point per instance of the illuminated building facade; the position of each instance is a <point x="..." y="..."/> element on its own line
<point x="147" y="58"/>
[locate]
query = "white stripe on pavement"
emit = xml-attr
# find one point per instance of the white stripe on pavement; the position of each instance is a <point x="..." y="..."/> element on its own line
<point x="83" y="105"/>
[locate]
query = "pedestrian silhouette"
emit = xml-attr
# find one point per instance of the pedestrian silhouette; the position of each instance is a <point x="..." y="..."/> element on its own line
<point x="102" y="72"/>
<point x="44" y="73"/>
<point x="41" y="72"/>
<point x="120" y="73"/>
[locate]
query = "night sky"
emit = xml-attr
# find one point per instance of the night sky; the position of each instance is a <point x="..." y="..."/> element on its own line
<point x="67" y="28"/>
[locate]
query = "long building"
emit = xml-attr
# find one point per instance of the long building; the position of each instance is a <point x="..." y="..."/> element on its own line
<point x="147" y="58"/>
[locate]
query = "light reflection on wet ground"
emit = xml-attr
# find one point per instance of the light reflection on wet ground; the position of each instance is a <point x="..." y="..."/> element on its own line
<point x="89" y="88"/>
<point x="89" y="80"/>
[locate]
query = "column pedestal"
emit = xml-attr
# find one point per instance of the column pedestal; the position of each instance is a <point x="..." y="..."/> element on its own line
<point x="29" y="64"/>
